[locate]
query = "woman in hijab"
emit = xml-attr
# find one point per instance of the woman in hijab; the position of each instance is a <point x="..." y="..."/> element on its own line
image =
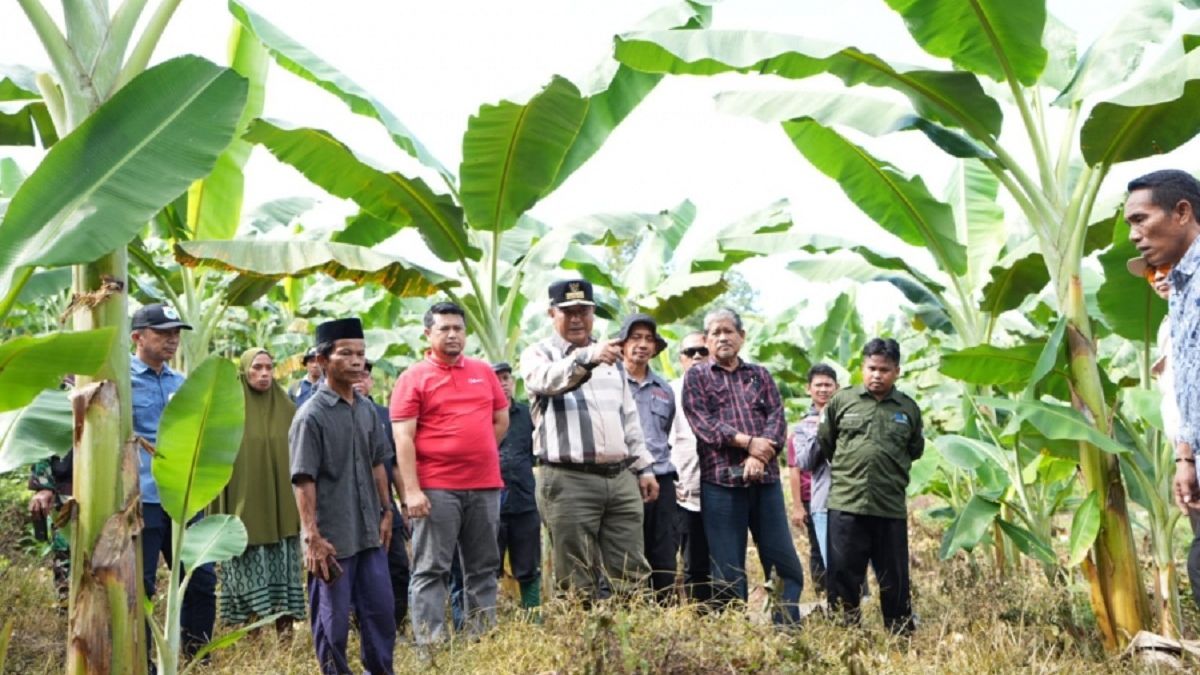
<point x="265" y="579"/>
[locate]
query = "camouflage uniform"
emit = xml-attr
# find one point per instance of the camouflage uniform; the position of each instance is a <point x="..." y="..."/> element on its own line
<point x="43" y="477"/>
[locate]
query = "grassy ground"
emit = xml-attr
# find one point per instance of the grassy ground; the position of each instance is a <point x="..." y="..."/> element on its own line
<point x="971" y="622"/>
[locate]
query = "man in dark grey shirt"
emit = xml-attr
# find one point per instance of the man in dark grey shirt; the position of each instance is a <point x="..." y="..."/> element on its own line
<point x="655" y="401"/>
<point x="338" y="451"/>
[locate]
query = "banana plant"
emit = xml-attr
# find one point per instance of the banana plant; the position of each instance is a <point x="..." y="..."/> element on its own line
<point x="476" y="225"/>
<point x="1072" y="133"/>
<point x="199" y="436"/>
<point x="116" y="163"/>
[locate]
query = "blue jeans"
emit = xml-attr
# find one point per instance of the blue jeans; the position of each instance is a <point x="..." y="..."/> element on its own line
<point x="728" y="513"/>
<point x="821" y="525"/>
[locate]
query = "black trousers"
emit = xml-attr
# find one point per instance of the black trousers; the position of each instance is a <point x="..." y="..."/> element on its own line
<point x="520" y="535"/>
<point x="660" y="534"/>
<point x="697" y="577"/>
<point x="856" y="541"/>
<point x="399" y="570"/>
<point x="816" y="564"/>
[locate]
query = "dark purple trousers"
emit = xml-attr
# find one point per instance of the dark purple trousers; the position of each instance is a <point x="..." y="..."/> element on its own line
<point x="366" y="586"/>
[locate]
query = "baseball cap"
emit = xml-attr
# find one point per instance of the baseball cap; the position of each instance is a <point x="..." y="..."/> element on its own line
<point x="157" y="315"/>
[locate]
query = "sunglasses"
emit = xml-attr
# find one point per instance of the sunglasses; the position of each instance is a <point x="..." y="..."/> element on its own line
<point x="693" y="352"/>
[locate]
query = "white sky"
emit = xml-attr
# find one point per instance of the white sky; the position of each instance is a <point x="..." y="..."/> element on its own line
<point x="434" y="63"/>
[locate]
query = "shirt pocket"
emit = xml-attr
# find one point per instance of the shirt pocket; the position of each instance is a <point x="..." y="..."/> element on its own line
<point x="897" y="427"/>
<point x="661" y="410"/>
<point x="853" y="426"/>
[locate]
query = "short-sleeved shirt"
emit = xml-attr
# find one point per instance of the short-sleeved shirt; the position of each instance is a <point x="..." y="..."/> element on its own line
<point x="150" y="391"/>
<point x="338" y="445"/>
<point x="516" y="462"/>
<point x="655" y="403"/>
<point x="870" y="445"/>
<point x="453" y="405"/>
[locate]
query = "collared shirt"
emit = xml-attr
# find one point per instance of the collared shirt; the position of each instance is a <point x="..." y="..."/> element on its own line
<point x="338" y="445"/>
<point x="580" y="413"/>
<point x="683" y="456"/>
<point x="453" y="404"/>
<point x="516" y="462"/>
<point x="304" y="391"/>
<point x="656" y="408"/>
<point x="1185" y="335"/>
<point x="805" y="454"/>
<point x="870" y="445"/>
<point x="719" y="405"/>
<point x="151" y="391"/>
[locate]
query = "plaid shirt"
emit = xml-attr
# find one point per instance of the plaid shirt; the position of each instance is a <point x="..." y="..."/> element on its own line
<point x="720" y="404"/>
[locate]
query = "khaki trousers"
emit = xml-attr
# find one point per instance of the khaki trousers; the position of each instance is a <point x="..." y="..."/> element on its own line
<point x="595" y="527"/>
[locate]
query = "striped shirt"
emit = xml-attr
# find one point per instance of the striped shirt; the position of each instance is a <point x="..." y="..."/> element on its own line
<point x="581" y="415"/>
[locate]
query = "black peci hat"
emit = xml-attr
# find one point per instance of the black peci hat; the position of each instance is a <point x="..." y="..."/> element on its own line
<point x="339" y="329"/>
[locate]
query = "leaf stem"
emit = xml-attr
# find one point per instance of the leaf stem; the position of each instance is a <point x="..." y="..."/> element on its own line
<point x="139" y="58"/>
<point x="70" y="71"/>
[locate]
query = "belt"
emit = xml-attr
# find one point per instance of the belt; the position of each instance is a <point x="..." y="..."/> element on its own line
<point x="608" y="470"/>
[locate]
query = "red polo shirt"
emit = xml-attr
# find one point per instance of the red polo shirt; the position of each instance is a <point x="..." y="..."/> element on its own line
<point x="453" y="406"/>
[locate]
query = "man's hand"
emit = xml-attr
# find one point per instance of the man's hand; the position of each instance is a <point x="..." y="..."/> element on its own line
<point x="319" y="556"/>
<point x="753" y="469"/>
<point x="761" y="449"/>
<point x="41" y="504"/>
<point x="798" y="515"/>
<point x="385" y="529"/>
<point x="649" y="487"/>
<point x="607" y="353"/>
<point x="1187" y="493"/>
<point x="418" y="503"/>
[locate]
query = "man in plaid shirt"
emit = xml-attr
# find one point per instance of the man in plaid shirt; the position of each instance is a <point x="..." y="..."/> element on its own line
<point x="736" y="414"/>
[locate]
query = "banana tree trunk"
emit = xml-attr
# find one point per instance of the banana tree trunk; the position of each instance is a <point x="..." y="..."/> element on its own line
<point x="1118" y="597"/>
<point x="105" y="624"/>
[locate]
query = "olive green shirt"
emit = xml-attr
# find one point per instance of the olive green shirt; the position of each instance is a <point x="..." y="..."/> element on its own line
<point x="870" y="446"/>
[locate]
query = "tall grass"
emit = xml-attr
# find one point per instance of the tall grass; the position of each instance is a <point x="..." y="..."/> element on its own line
<point x="972" y="621"/>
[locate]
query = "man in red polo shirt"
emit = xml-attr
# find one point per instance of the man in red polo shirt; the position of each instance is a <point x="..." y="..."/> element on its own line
<point x="448" y="413"/>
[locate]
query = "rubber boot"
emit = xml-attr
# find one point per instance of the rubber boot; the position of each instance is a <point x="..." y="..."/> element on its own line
<point x="531" y="593"/>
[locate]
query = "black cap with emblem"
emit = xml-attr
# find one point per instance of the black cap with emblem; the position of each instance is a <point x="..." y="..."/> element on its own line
<point x="158" y="316"/>
<point x="571" y="292"/>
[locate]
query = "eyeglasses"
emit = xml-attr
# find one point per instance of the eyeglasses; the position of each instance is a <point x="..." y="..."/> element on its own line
<point x="693" y="352"/>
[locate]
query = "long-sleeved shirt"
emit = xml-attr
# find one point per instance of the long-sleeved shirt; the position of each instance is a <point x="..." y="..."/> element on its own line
<point x="807" y="456"/>
<point x="151" y="391"/>
<point x="719" y="405"/>
<point x="1185" y="334"/>
<point x="581" y="413"/>
<point x="656" y="408"/>
<point x="683" y="456"/>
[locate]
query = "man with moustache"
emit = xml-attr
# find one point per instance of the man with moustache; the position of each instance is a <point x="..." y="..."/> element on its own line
<point x="449" y="414"/>
<point x="1161" y="212"/>
<point x="692" y="542"/>
<point x="338" y="455"/>
<point x="596" y="471"/>
<point x="870" y="435"/>
<point x="640" y="342"/>
<point x="152" y="382"/>
<point x="735" y="411"/>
